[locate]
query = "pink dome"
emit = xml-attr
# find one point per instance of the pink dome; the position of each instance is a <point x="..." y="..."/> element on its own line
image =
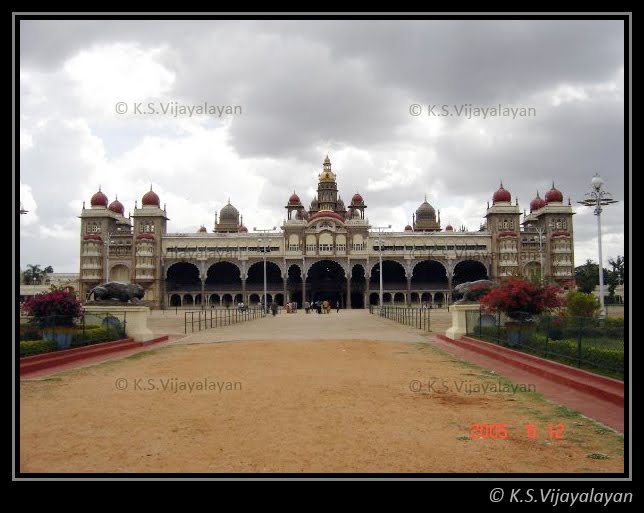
<point x="294" y="199"/>
<point x="151" y="198"/>
<point x="554" y="195"/>
<point x="408" y="228"/>
<point x="502" y="196"/>
<point x="98" y="199"/>
<point x="449" y="228"/>
<point x="537" y="203"/>
<point x="117" y="207"/>
<point x="357" y="199"/>
<point x="202" y="229"/>
<point x="243" y="229"/>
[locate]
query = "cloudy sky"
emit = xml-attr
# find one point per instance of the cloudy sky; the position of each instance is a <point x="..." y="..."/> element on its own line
<point x="304" y="89"/>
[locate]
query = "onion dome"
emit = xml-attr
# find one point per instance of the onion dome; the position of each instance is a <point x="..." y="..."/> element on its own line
<point x="408" y="228"/>
<point x="449" y="228"/>
<point x="243" y="229"/>
<point x="202" y="229"/>
<point x="294" y="199"/>
<point x="537" y="203"/>
<point x="117" y="207"/>
<point x="425" y="211"/>
<point x="314" y="203"/>
<point x="151" y="199"/>
<point x="357" y="199"/>
<point x="145" y="236"/>
<point x="98" y="199"/>
<point x="502" y="195"/>
<point x="340" y="204"/>
<point x="301" y="215"/>
<point x="229" y="214"/>
<point x="554" y="195"/>
<point x="93" y="236"/>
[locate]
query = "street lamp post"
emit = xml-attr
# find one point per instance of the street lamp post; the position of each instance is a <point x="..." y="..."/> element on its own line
<point x="540" y="231"/>
<point x="597" y="198"/>
<point x="266" y="239"/>
<point x="380" y="228"/>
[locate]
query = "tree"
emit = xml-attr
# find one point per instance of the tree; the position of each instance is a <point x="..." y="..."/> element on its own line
<point x="520" y="298"/>
<point x="587" y="277"/>
<point x="579" y="304"/>
<point x="615" y="275"/>
<point x="33" y="274"/>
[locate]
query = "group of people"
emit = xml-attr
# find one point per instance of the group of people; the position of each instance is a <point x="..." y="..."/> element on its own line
<point x="291" y="307"/>
<point x="319" y="306"/>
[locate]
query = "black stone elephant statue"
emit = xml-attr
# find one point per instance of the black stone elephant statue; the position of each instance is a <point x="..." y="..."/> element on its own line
<point x="115" y="290"/>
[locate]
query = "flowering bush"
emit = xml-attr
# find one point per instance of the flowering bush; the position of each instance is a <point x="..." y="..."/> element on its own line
<point x="519" y="298"/>
<point x="57" y="308"/>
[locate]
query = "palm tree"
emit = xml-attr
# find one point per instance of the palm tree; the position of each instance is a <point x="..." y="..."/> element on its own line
<point x="47" y="270"/>
<point x="33" y="274"/>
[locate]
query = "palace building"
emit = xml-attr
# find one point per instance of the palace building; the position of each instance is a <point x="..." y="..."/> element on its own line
<point x="325" y="251"/>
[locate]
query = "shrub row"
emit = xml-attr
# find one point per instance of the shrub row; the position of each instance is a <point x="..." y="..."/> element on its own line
<point x="32" y="347"/>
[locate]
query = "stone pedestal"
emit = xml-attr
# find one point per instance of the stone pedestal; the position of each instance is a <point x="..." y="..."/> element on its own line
<point x="459" y="326"/>
<point x="136" y="319"/>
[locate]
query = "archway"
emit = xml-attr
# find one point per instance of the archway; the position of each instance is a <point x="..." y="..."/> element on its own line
<point x="255" y="280"/>
<point x="175" y="300"/>
<point x="386" y="298"/>
<point x="187" y="299"/>
<point x="215" y="299"/>
<point x="393" y="276"/>
<point x="279" y="299"/>
<point x="183" y="276"/>
<point x="439" y="299"/>
<point x="358" y="285"/>
<point x="326" y="281"/>
<point x="373" y="299"/>
<point x="223" y="275"/>
<point x="428" y="275"/>
<point x="415" y="298"/>
<point x="198" y="299"/>
<point x="399" y="298"/>
<point x="120" y="272"/>
<point x="253" y="299"/>
<point x="294" y="283"/>
<point x="227" y="299"/>
<point x="469" y="270"/>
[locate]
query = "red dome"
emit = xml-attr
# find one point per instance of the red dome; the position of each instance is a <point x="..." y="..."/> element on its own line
<point x="117" y="206"/>
<point x="537" y="203"/>
<point x="93" y="236"/>
<point x="202" y="229"/>
<point x="554" y="195"/>
<point x="151" y="198"/>
<point x="99" y="199"/>
<point x="502" y="196"/>
<point x="357" y="199"/>
<point x="326" y="213"/>
<point x="243" y="229"/>
<point x="294" y="199"/>
<point x="449" y="228"/>
<point x="143" y="236"/>
<point x="408" y="228"/>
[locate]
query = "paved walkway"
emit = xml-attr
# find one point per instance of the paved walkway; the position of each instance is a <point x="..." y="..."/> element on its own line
<point x="361" y="325"/>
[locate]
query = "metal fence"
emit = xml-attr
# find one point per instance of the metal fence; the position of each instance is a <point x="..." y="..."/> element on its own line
<point x="64" y="332"/>
<point x="416" y="317"/>
<point x="585" y="342"/>
<point x="217" y="317"/>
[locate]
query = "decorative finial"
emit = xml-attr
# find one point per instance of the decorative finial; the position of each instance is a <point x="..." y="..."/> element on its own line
<point x="524" y="212"/>
<point x="99" y="187"/>
<point x="516" y="202"/>
<point x="569" y="204"/>
<point x="538" y="193"/>
<point x="135" y="202"/>
<point x="501" y="184"/>
<point x="164" y="207"/>
<point x="150" y="186"/>
<point x="488" y="204"/>
<point x="553" y="184"/>
<point x="83" y="204"/>
<point x="425" y="196"/>
<point x="229" y="200"/>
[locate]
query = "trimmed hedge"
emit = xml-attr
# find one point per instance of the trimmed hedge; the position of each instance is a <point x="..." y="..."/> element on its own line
<point x="32" y="347"/>
<point x="94" y="335"/>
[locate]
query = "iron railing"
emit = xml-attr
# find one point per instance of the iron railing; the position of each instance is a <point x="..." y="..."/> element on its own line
<point x="199" y="320"/>
<point x="415" y="317"/>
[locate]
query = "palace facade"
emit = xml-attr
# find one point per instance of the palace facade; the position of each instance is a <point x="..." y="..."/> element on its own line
<point x="325" y="251"/>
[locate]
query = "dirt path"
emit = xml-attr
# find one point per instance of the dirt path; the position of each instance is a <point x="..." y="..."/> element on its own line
<point x="343" y="395"/>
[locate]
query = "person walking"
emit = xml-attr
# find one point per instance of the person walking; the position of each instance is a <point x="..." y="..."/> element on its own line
<point x="274" y="308"/>
<point x="306" y="305"/>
